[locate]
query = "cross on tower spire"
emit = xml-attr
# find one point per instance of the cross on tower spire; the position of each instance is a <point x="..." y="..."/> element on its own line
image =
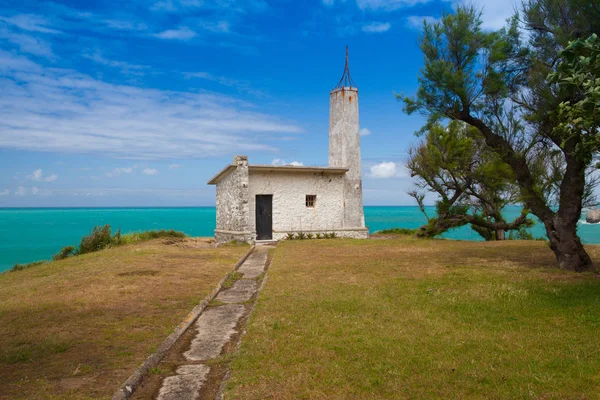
<point x="346" y="80"/>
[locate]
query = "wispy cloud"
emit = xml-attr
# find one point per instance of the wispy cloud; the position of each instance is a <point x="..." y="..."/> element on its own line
<point x="183" y="33"/>
<point x="387" y="5"/>
<point x="5" y="192"/>
<point x="365" y="132"/>
<point x="278" y="162"/>
<point x="119" y="171"/>
<point x="240" y="85"/>
<point x="416" y="21"/>
<point x="175" y="166"/>
<point x="376" y="27"/>
<point x="60" y="110"/>
<point x="28" y="44"/>
<point x="126" y="67"/>
<point x="21" y="191"/>
<point x="150" y="171"/>
<point x="38" y="176"/>
<point x="30" y="22"/>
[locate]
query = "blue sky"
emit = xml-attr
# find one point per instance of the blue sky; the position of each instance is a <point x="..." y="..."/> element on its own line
<point x="139" y="103"/>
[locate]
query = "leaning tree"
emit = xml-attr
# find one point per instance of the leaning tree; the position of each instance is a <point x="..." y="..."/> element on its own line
<point x="471" y="182"/>
<point x="548" y="78"/>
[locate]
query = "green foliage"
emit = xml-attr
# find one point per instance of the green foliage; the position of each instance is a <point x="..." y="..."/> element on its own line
<point x="397" y="231"/>
<point x="520" y="234"/>
<point x="147" y="235"/>
<point x="20" y="267"/>
<point x="65" y="252"/>
<point x="301" y="236"/>
<point x="577" y="77"/>
<point x="99" y="238"/>
<point x="471" y="181"/>
<point x="533" y="98"/>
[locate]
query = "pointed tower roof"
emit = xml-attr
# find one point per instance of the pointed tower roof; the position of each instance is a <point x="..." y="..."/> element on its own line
<point x="346" y="80"/>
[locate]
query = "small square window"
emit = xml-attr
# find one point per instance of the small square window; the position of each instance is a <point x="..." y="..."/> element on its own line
<point x="311" y="199"/>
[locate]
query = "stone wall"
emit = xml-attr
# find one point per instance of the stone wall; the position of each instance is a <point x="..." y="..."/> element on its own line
<point x="233" y="204"/>
<point x="289" y="191"/>
<point x="344" y="151"/>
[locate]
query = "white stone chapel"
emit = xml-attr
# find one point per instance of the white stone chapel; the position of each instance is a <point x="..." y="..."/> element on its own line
<point x="265" y="202"/>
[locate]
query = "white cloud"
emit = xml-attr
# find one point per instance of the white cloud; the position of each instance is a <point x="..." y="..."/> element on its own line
<point x="60" y="110"/>
<point x="30" y="22"/>
<point x="5" y="192"/>
<point x="387" y="5"/>
<point x="21" y="191"/>
<point x="183" y="33"/>
<point x="278" y="162"/>
<point x="150" y="171"/>
<point x="119" y="171"/>
<point x="174" y="166"/>
<point x="38" y="176"/>
<point x="495" y="12"/>
<point x="365" y="132"/>
<point x="416" y="21"/>
<point x="239" y="85"/>
<point x="35" y="190"/>
<point x="28" y="44"/>
<point x="125" y="25"/>
<point x="376" y="27"/>
<point x="386" y="170"/>
<point x="124" y="66"/>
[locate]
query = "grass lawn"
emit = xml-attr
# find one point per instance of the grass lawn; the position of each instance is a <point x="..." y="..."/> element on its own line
<point x="421" y="319"/>
<point x="77" y="328"/>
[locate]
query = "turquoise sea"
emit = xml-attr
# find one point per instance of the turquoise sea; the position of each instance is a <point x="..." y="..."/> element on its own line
<point x="33" y="234"/>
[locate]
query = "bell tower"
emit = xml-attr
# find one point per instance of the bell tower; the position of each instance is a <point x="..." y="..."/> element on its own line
<point x="344" y="145"/>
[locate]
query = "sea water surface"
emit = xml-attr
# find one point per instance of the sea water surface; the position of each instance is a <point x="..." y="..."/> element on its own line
<point x="32" y="234"/>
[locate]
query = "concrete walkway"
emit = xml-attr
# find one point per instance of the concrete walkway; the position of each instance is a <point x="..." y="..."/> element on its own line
<point x="214" y="329"/>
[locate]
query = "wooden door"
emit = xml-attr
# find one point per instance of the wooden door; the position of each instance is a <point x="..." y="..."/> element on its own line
<point x="264" y="217"/>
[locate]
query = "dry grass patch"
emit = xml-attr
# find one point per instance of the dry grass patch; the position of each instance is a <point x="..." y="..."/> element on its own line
<point x="76" y="328"/>
<point x="420" y="319"/>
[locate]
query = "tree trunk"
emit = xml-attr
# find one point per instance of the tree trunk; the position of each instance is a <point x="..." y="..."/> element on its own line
<point x="500" y="234"/>
<point x="561" y="227"/>
<point x="567" y="247"/>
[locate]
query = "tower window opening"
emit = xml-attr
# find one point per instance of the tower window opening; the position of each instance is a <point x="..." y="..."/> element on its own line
<point x="311" y="200"/>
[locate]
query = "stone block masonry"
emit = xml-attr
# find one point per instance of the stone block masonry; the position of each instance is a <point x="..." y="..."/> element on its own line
<point x="232" y="205"/>
<point x="297" y="198"/>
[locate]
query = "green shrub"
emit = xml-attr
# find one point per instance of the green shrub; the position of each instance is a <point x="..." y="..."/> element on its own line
<point x="65" y="252"/>
<point x="99" y="238"/>
<point x="149" y="235"/>
<point x="301" y="236"/>
<point x="310" y="236"/>
<point x="21" y="267"/>
<point x="289" y="236"/>
<point x="398" y="231"/>
<point x="330" y="235"/>
<point x="319" y="236"/>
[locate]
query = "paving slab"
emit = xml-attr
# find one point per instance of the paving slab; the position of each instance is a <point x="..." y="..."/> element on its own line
<point x="185" y="385"/>
<point x="241" y="291"/>
<point x="215" y="327"/>
<point x="254" y="265"/>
